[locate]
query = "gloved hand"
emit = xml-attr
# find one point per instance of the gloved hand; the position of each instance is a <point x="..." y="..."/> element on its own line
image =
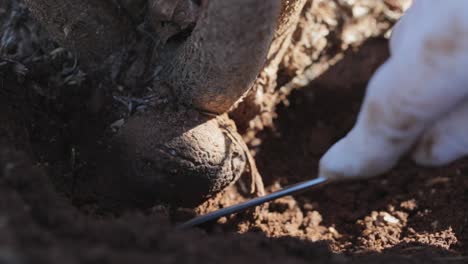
<point x="416" y="101"/>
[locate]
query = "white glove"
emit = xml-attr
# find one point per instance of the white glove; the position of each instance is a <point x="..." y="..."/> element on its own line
<point x="416" y="101"/>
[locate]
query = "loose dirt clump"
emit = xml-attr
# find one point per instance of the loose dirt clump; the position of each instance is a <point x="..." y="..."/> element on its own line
<point x="54" y="178"/>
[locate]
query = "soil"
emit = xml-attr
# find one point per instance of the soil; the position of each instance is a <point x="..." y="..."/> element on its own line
<point x="53" y="122"/>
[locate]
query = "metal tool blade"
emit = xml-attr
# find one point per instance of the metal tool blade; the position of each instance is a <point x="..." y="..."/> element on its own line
<point x="296" y="188"/>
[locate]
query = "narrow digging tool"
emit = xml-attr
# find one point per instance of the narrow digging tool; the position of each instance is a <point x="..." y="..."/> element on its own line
<point x="294" y="189"/>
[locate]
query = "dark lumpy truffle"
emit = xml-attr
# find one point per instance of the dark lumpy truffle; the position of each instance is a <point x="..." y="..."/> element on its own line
<point x="180" y="157"/>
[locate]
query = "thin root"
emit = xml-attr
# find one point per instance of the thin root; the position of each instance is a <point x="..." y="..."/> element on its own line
<point x="257" y="181"/>
<point x="256" y="184"/>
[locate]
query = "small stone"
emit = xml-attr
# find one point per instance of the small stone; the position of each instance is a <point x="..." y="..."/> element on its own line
<point x="334" y="232"/>
<point x="117" y="124"/>
<point x="390" y="219"/>
<point x="360" y="11"/>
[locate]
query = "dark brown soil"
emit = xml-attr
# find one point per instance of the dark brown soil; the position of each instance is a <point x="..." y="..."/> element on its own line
<point x="53" y="210"/>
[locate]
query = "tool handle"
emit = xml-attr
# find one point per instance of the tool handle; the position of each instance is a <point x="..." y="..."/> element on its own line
<point x="293" y="189"/>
